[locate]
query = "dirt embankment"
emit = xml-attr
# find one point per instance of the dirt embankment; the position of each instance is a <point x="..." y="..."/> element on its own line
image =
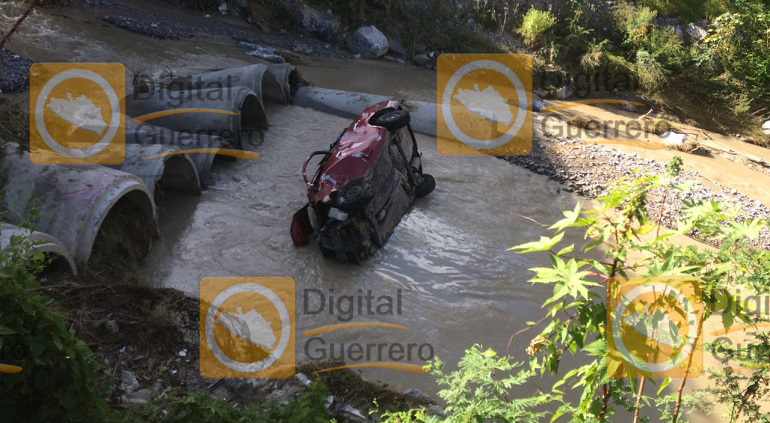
<point x="148" y="341"/>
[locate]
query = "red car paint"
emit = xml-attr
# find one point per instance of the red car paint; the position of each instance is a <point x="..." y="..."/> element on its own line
<point x="359" y="146"/>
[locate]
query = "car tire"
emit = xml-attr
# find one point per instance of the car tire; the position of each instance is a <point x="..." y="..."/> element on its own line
<point x="356" y="195"/>
<point x="427" y="186"/>
<point x="392" y="120"/>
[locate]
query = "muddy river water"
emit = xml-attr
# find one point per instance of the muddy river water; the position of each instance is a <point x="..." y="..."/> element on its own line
<point x="447" y="261"/>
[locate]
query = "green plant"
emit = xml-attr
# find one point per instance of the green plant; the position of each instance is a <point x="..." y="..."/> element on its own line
<point x="650" y="73"/>
<point x="59" y="380"/>
<point x="536" y="25"/>
<point x="479" y="390"/>
<point x="740" y="41"/>
<point x="198" y="408"/>
<point x="575" y="322"/>
<point x="690" y="10"/>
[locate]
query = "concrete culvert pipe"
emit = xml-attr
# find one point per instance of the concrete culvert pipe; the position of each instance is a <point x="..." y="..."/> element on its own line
<point x="225" y="112"/>
<point x="175" y="172"/>
<point x="287" y="75"/>
<point x="39" y="242"/>
<point x="258" y="78"/>
<point x="71" y="202"/>
<point x="351" y="104"/>
<point x="145" y="134"/>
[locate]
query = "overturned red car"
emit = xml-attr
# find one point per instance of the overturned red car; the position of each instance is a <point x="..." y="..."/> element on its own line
<point x="365" y="182"/>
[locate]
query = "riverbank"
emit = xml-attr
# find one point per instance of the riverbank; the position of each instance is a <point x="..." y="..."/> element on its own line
<point x="240" y="225"/>
<point x="147" y="340"/>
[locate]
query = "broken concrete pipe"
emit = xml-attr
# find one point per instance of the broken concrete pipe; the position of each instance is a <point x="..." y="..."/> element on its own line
<point x="71" y="202"/>
<point x="38" y="242"/>
<point x="226" y="112"/>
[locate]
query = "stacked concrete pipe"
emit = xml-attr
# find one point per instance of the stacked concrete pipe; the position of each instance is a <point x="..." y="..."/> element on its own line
<point x="259" y="78"/>
<point x="143" y="133"/>
<point x="37" y="242"/>
<point x="162" y="166"/>
<point x="225" y="112"/>
<point x="70" y="202"/>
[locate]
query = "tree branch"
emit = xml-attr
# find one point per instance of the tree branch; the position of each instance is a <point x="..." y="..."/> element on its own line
<point x="7" y="36"/>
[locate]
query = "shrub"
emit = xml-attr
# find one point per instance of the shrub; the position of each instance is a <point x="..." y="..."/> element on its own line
<point x="649" y="72"/>
<point x="634" y="22"/>
<point x="198" y="408"/>
<point x="536" y="24"/>
<point x="690" y="10"/>
<point x="740" y="41"/>
<point x="479" y="391"/>
<point x="59" y="380"/>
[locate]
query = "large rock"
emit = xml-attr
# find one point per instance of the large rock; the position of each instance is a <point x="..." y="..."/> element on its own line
<point x="315" y="22"/>
<point x="766" y="127"/>
<point x="696" y="32"/>
<point x="369" y="42"/>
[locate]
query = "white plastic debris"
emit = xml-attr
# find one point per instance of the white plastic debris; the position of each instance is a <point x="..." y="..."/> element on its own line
<point x="673" y="138"/>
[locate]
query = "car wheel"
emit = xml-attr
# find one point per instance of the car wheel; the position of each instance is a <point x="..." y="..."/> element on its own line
<point x="392" y="121"/>
<point x="427" y="186"/>
<point x="356" y="195"/>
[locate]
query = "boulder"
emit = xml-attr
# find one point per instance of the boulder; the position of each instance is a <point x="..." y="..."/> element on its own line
<point x="696" y="32"/>
<point x="315" y="22"/>
<point x="766" y="127"/>
<point x="369" y="42"/>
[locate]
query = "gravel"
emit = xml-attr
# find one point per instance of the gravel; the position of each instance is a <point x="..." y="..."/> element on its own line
<point x="589" y="170"/>
<point x="14" y="72"/>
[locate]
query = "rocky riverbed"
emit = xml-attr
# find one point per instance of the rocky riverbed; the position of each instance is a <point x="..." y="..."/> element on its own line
<point x="589" y="170"/>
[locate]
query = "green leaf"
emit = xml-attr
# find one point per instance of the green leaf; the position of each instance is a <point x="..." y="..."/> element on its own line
<point x="570" y="218"/>
<point x="663" y="385"/>
<point x="544" y="244"/>
<point x="596" y="348"/>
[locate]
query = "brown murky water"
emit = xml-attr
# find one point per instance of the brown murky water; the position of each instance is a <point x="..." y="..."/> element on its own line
<point x="448" y="258"/>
